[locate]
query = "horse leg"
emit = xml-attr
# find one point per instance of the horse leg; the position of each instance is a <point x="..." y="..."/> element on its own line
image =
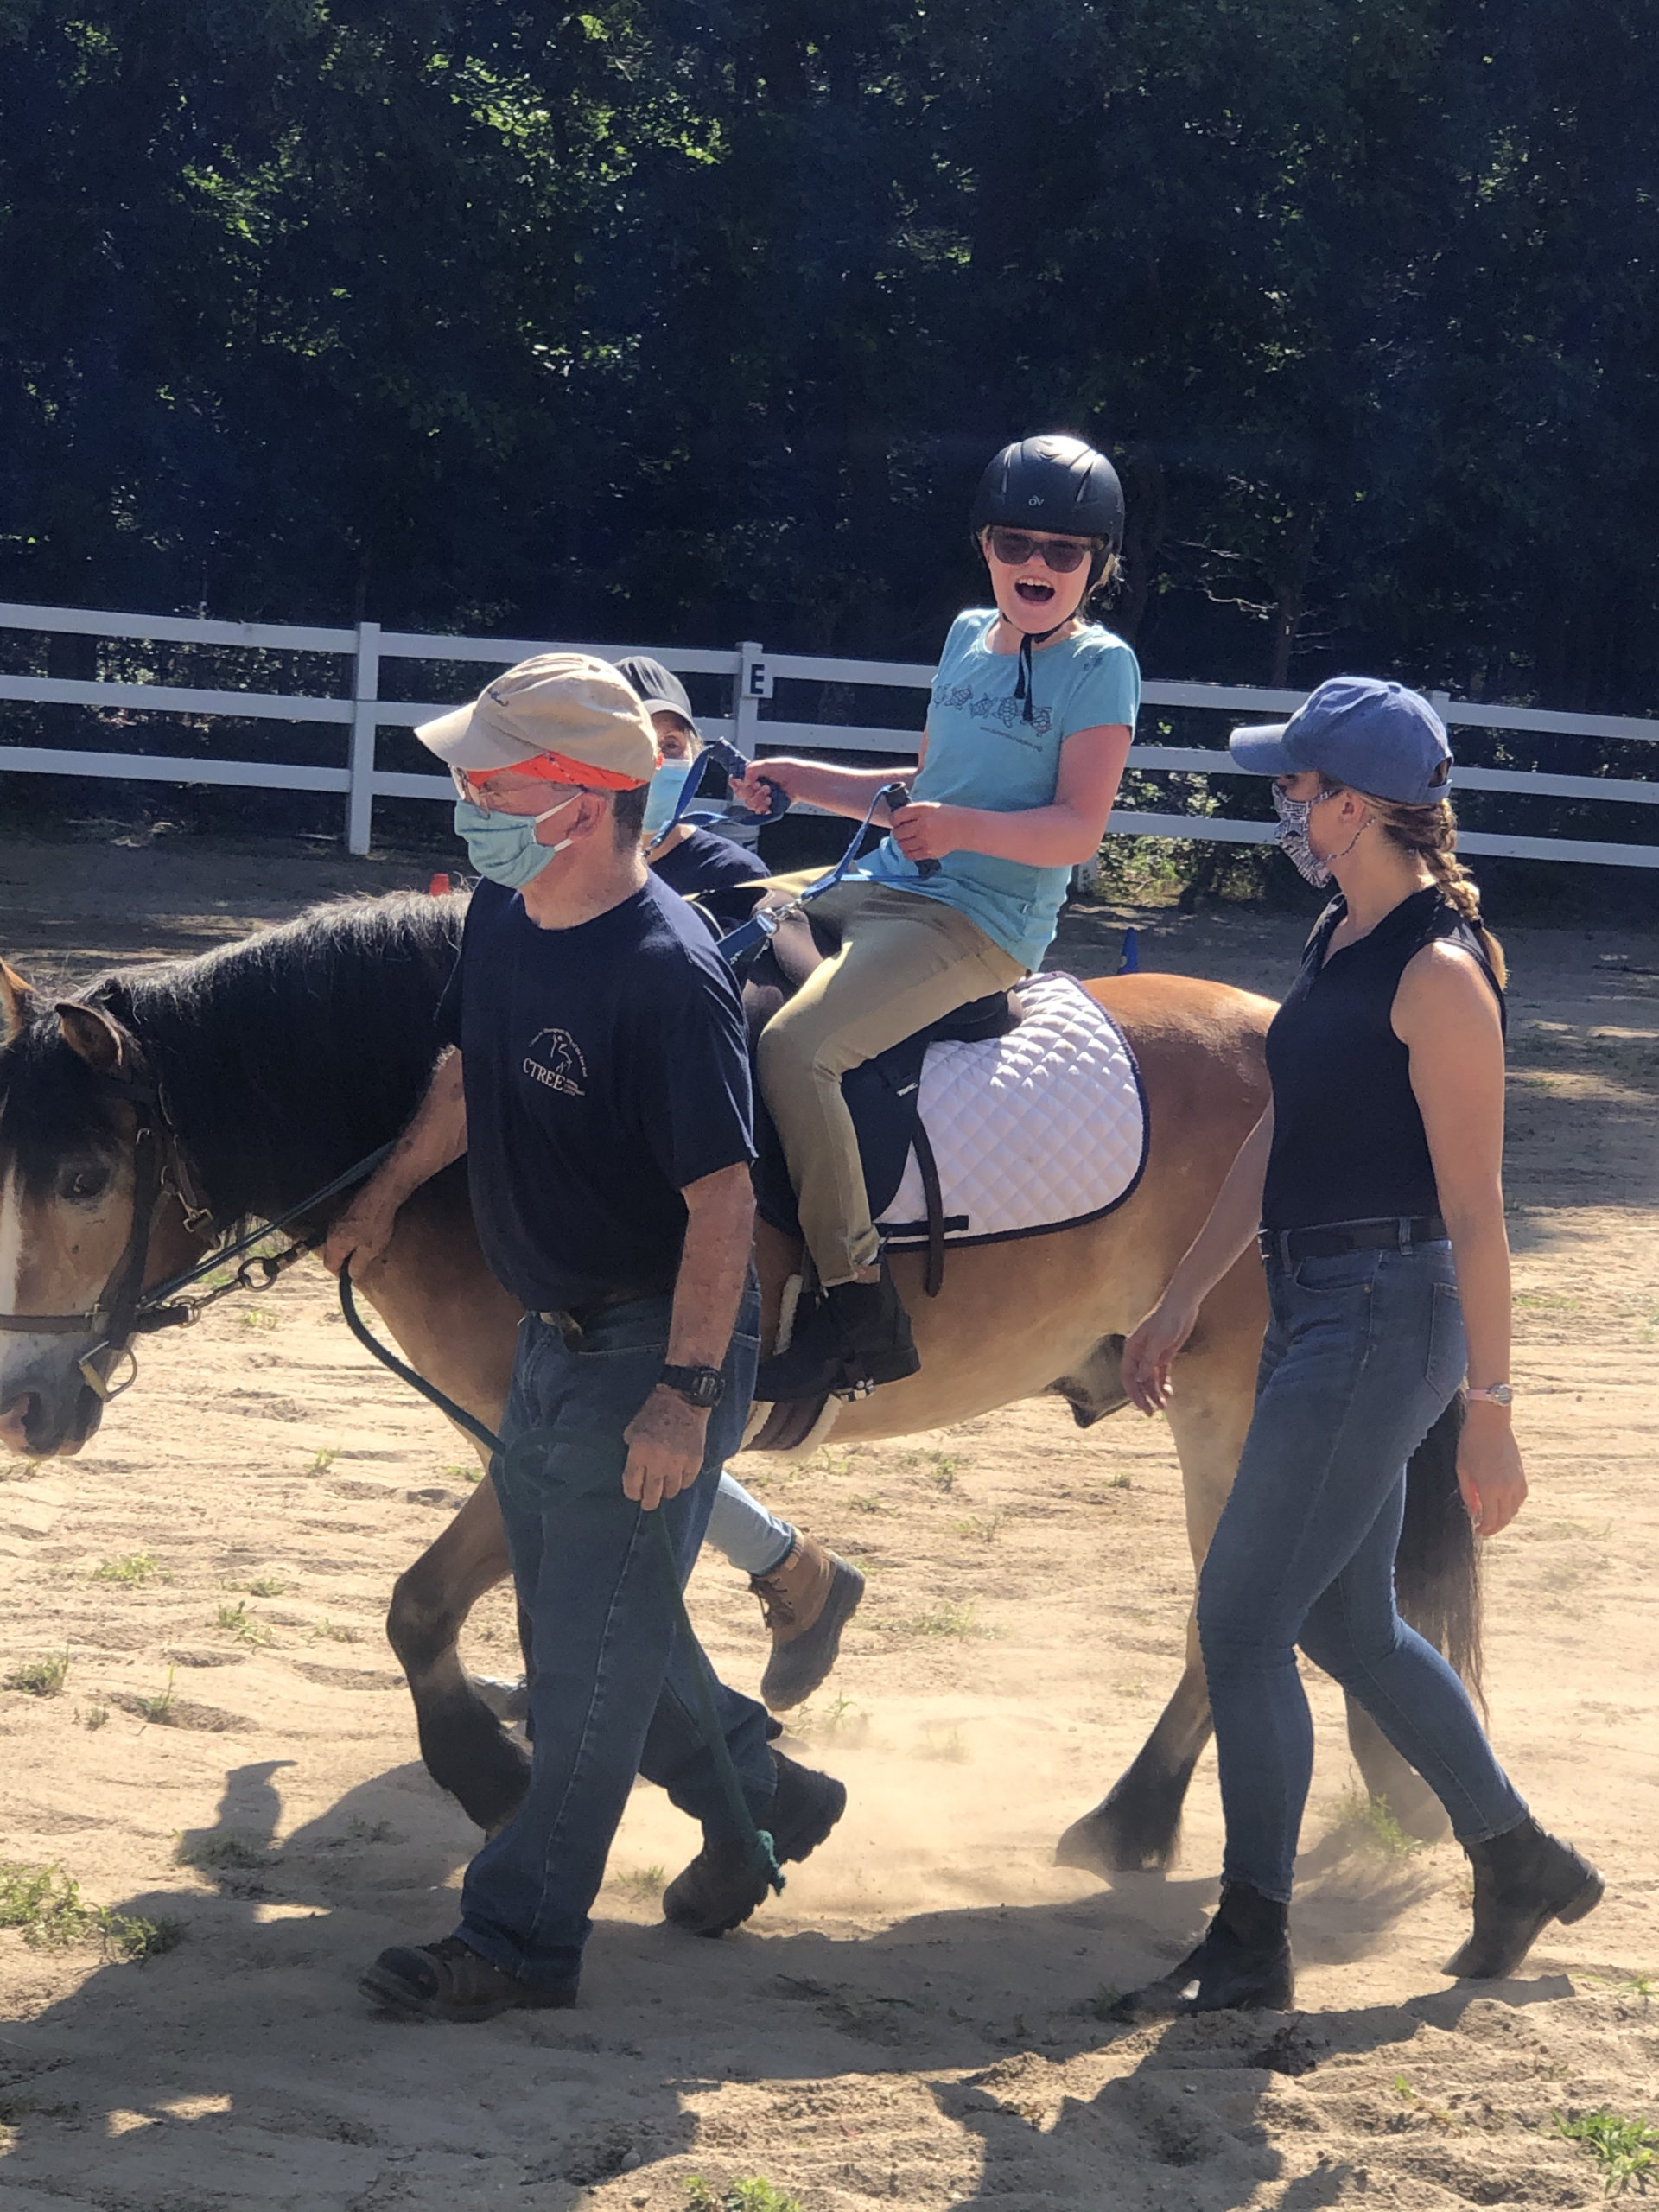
<point x="1137" y="1825"/>
<point x="466" y="1749"/>
<point x="457" y="1327"/>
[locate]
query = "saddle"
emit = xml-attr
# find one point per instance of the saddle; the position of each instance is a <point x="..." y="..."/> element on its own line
<point x="881" y="1094"/>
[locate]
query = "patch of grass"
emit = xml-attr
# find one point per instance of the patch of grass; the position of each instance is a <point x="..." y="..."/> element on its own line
<point x="1370" y="1825"/>
<point x="470" y="1471"/>
<point x="1645" y="1986"/>
<point x="1626" y="2151"/>
<point x="944" y="1620"/>
<point x="44" y="1904"/>
<point x="241" y="1623"/>
<point x="1102" y="2005"/>
<point x="979" y="1530"/>
<point x="94" y="1716"/>
<point x="1403" y="2090"/>
<point x="949" y="1749"/>
<point x="1117" y="1481"/>
<point x="865" y="1501"/>
<point x="209" y="1852"/>
<point x="40" y="1677"/>
<point x="132" y="1568"/>
<point x="755" y="2194"/>
<point x="258" y="1316"/>
<point x="322" y="1461"/>
<point x="643" y="1883"/>
<point x="362" y="1831"/>
<point x="335" y="1632"/>
<point x="159" y="1709"/>
<point x="841" y="1719"/>
<point x="268" y="1585"/>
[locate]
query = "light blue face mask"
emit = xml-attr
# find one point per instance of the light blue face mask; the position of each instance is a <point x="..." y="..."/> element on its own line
<point x="664" y="796"/>
<point x="503" y="846"/>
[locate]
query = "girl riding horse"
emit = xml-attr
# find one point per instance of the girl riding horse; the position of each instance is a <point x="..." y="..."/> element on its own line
<point x="1028" y="728"/>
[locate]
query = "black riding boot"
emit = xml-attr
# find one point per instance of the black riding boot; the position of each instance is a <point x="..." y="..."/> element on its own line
<point x="1243" y="1964"/>
<point x="1523" y="1879"/>
<point x="858" y="1335"/>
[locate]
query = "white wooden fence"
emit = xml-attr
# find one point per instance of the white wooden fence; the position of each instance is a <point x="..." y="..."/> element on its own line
<point x="753" y="675"/>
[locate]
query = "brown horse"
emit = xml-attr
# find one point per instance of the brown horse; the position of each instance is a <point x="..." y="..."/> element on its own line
<point x="255" y="1075"/>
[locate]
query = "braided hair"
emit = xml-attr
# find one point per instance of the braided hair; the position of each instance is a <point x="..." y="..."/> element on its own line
<point x="1431" y="832"/>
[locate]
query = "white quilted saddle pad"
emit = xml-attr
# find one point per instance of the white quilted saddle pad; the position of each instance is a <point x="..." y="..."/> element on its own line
<point x="1042" y="1129"/>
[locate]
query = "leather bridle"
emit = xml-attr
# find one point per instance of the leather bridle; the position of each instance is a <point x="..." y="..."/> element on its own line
<point x="123" y="1308"/>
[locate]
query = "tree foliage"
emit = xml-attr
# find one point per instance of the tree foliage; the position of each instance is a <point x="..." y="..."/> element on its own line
<point x="695" y="318"/>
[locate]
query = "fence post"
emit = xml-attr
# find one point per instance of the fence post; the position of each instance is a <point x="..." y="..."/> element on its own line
<point x="366" y="690"/>
<point x="752" y="685"/>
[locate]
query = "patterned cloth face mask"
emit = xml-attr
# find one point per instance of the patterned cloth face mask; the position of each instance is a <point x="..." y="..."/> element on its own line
<point x="503" y="846"/>
<point x="1294" y="815"/>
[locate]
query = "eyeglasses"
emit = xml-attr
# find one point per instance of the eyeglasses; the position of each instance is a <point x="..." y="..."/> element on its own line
<point x="1014" y="548"/>
<point x="479" y="794"/>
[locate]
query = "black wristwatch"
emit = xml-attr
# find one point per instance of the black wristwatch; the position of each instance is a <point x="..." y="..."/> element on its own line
<point x="700" y="1386"/>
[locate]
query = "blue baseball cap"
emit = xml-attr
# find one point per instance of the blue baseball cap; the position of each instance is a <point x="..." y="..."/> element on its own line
<point x="1361" y="732"/>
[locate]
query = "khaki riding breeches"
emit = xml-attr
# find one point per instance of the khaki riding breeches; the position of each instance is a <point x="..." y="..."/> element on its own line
<point x="905" y="961"/>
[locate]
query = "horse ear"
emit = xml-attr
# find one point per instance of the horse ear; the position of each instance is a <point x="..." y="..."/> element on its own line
<point x="89" y="1031"/>
<point x="17" y="1003"/>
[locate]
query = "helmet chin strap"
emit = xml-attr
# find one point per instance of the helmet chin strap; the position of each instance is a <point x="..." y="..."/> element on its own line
<point x="1028" y="640"/>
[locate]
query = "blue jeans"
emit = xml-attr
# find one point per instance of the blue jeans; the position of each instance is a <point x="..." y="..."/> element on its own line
<point x="612" y="1691"/>
<point x="1363" y="1353"/>
<point x="754" y="1540"/>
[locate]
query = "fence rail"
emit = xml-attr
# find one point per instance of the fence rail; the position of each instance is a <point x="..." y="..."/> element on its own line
<point x="753" y="676"/>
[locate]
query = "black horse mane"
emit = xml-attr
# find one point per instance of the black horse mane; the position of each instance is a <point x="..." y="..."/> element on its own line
<point x="285" y="1058"/>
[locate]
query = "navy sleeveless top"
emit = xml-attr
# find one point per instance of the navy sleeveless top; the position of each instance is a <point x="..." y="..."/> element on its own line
<point x="1348" y="1139"/>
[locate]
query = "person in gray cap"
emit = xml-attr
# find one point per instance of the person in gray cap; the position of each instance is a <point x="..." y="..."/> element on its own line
<point x="1373" y="1183"/>
<point x="808" y="1593"/>
<point x="597" y="1080"/>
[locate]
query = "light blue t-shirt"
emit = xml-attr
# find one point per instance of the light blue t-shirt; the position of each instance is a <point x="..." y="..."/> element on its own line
<point x="982" y="752"/>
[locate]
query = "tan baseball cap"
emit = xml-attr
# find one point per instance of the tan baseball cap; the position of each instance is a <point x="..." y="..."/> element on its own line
<point x="567" y="704"/>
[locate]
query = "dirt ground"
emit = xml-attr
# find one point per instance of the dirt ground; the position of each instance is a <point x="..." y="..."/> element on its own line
<point x="917" y="2021"/>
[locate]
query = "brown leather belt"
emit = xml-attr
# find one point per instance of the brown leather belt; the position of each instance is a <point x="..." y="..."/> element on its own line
<point x="1329" y="1240"/>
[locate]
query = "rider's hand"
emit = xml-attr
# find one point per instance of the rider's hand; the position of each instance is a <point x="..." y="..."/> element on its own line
<point x="666" y="1439"/>
<point x="362" y="1233"/>
<point x="1489" y="1472"/>
<point x="754" y="788"/>
<point x="1149" y="1349"/>
<point x="926" y="829"/>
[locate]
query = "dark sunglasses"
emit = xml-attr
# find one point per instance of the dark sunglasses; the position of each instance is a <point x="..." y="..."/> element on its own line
<point x="1014" y="548"/>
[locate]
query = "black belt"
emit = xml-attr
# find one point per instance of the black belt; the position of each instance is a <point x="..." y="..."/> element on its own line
<point x="1329" y="1240"/>
<point x="579" y="1318"/>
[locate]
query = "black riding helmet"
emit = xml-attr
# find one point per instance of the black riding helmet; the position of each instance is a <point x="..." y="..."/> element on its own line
<point x="1056" y="483"/>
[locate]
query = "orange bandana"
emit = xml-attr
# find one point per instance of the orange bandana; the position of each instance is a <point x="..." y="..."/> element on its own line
<point x="559" y="768"/>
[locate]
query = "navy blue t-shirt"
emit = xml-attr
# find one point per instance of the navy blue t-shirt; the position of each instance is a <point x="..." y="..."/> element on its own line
<point x="719" y="872"/>
<point x="605" y="1068"/>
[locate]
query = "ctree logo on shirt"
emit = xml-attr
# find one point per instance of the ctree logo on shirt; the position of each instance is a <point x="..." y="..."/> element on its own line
<point x="554" y="1060"/>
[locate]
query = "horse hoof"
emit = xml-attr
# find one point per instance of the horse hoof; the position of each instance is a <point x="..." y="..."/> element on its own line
<point x="1100" y="1844"/>
<point x="507" y="1699"/>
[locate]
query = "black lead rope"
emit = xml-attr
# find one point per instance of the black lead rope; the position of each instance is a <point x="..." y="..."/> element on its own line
<point x="757" y="1842"/>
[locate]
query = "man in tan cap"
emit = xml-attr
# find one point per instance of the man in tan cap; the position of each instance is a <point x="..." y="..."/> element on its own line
<point x="594" y="1072"/>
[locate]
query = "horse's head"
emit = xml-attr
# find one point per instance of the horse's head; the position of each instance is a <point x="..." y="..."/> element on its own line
<point x="69" y="1176"/>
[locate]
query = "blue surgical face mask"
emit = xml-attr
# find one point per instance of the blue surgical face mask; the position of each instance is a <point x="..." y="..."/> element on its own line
<point x="664" y="796"/>
<point x="503" y="846"/>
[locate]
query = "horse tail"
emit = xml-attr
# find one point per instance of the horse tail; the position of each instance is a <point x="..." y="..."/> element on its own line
<point x="1437" y="1567"/>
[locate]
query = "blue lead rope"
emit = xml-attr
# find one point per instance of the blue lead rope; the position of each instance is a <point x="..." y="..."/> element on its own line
<point x="760" y="1847"/>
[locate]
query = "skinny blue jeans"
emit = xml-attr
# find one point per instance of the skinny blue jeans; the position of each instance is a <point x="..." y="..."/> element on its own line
<point x="1363" y="1353"/>
<point x="612" y="1689"/>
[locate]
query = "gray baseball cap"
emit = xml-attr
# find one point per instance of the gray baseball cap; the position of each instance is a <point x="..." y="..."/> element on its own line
<point x="1360" y="731"/>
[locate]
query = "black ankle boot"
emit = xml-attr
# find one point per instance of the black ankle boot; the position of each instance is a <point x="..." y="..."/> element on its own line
<point x="1523" y="1879"/>
<point x="1242" y="1964"/>
<point x="857" y="1336"/>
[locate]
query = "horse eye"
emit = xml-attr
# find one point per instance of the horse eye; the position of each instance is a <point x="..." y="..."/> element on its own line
<point x="88" y="1182"/>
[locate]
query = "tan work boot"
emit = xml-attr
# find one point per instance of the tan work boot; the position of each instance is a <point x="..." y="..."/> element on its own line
<point x="808" y="1598"/>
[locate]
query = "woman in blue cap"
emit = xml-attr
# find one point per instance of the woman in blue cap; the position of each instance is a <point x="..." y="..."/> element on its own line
<point x="1374" y="1183"/>
<point x="1028" y="728"/>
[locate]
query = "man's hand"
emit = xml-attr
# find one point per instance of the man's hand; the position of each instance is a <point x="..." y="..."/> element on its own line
<point x="363" y="1231"/>
<point x="755" y="787"/>
<point x="665" y="1440"/>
